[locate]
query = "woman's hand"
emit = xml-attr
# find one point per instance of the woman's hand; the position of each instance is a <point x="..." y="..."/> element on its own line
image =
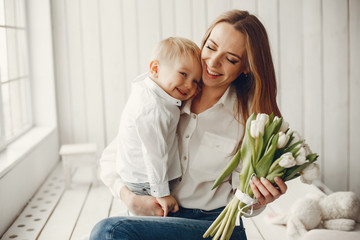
<point x="265" y="192"/>
<point x="141" y="205"/>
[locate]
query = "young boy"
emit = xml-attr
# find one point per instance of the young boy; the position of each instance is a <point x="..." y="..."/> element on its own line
<point x="147" y="156"/>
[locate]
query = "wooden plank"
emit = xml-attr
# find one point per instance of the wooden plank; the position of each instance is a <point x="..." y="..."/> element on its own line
<point x="96" y="207"/>
<point x="336" y="85"/>
<point x="183" y="22"/>
<point x="93" y="72"/>
<point x="113" y="69"/>
<point x="269" y="16"/>
<point x="61" y="223"/>
<point x="167" y="19"/>
<point x="118" y="208"/>
<point x="354" y="109"/>
<point x="62" y="71"/>
<point x="76" y="74"/>
<point x="313" y="88"/>
<point x="148" y="30"/>
<point x="247" y="5"/>
<point x="290" y="84"/>
<point x="215" y="8"/>
<point x="31" y="220"/>
<point x="113" y="59"/>
<point x="130" y="23"/>
<point x="199" y="21"/>
<point x="251" y="229"/>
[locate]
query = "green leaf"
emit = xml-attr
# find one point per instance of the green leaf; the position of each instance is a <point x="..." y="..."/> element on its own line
<point x="265" y="162"/>
<point x="228" y="169"/>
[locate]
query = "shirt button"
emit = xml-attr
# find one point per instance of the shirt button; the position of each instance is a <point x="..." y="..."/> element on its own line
<point x="187" y="136"/>
<point x="194" y="116"/>
<point x="185" y="158"/>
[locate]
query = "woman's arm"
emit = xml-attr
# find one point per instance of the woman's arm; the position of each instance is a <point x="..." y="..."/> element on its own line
<point x="141" y="205"/>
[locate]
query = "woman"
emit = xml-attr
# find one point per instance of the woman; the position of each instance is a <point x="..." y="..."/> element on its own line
<point x="238" y="79"/>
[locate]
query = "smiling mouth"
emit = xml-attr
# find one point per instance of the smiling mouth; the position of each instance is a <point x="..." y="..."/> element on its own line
<point x="212" y="73"/>
<point x="182" y="93"/>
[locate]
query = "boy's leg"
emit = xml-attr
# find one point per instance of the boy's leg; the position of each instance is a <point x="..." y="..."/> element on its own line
<point x="149" y="228"/>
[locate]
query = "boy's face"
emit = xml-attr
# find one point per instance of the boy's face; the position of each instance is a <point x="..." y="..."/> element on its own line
<point x="180" y="77"/>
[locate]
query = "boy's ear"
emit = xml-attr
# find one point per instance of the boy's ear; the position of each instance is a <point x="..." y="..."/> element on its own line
<point x="154" y="68"/>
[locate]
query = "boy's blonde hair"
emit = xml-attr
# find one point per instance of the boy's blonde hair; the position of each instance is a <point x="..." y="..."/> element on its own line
<point x="172" y="48"/>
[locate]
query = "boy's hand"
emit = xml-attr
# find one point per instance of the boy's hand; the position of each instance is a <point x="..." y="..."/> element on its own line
<point x="168" y="204"/>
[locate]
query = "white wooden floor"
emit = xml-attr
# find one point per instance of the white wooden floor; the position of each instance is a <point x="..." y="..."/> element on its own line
<point x="56" y="213"/>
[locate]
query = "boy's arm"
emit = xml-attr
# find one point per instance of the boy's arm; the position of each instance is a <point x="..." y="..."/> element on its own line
<point x="152" y="127"/>
<point x="108" y="172"/>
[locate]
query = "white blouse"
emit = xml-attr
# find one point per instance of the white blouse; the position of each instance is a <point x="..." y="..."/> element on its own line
<point x="206" y="144"/>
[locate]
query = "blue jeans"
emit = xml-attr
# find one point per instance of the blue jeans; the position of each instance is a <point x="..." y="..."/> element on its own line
<point x="185" y="224"/>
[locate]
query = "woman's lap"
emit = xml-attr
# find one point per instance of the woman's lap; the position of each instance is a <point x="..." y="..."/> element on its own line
<point x="149" y="228"/>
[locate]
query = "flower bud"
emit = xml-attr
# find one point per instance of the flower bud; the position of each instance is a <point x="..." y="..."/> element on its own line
<point x="307" y="149"/>
<point x="262" y="117"/>
<point x="301" y="156"/>
<point x="256" y="128"/>
<point x="310" y="173"/>
<point x="283" y="140"/>
<point x="296" y="137"/>
<point x="287" y="160"/>
<point x="284" y="126"/>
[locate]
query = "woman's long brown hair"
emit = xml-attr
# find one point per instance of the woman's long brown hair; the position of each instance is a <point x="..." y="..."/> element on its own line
<point x="256" y="91"/>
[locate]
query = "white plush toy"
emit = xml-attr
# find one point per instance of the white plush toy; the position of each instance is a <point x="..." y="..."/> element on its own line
<point x="337" y="211"/>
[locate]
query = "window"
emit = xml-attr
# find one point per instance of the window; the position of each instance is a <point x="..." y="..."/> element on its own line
<point x="15" y="106"/>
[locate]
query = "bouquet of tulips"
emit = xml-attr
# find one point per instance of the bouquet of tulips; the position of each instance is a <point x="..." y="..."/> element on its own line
<point x="269" y="149"/>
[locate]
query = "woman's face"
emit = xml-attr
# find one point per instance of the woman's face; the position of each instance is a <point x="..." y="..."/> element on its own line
<point x="223" y="56"/>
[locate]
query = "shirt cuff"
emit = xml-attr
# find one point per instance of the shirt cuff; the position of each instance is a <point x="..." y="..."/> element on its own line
<point x="160" y="190"/>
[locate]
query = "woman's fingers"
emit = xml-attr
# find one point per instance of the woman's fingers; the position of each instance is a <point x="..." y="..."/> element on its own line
<point x="254" y="186"/>
<point x="281" y="184"/>
<point x="265" y="191"/>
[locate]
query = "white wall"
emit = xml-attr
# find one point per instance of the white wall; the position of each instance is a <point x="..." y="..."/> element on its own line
<point x="100" y="46"/>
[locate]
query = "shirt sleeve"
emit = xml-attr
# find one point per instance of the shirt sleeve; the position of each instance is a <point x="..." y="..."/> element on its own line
<point x="108" y="172"/>
<point x="153" y="129"/>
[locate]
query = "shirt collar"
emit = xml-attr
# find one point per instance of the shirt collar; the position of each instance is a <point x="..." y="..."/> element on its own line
<point x="160" y="92"/>
<point x="226" y="100"/>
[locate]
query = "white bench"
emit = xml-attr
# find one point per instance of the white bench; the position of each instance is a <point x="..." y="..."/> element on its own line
<point x="74" y="155"/>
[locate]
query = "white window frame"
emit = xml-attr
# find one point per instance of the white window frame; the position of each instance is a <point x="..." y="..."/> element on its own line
<point x="13" y="17"/>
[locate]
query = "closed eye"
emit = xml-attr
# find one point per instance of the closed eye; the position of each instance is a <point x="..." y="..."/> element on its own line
<point x="231" y="61"/>
<point x="212" y="49"/>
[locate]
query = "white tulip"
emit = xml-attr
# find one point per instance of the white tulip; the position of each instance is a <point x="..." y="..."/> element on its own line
<point x="287" y="160"/>
<point x="296" y="137"/>
<point x="284" y="125"/>
<point x="301" y="156"/>
<point x="283" y="140"/>
<point x="263" y="117"/>
<point x="307" y="149"/>
<point x="310" y="173"/>
<point x="256" y="128"/>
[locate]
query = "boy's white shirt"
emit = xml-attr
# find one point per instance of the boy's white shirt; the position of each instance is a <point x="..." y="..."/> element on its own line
<point x="147" y="140"/>
<point x="198" y="145"/>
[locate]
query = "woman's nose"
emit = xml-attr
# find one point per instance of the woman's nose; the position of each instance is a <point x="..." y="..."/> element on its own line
<point x="214" y="60"/>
